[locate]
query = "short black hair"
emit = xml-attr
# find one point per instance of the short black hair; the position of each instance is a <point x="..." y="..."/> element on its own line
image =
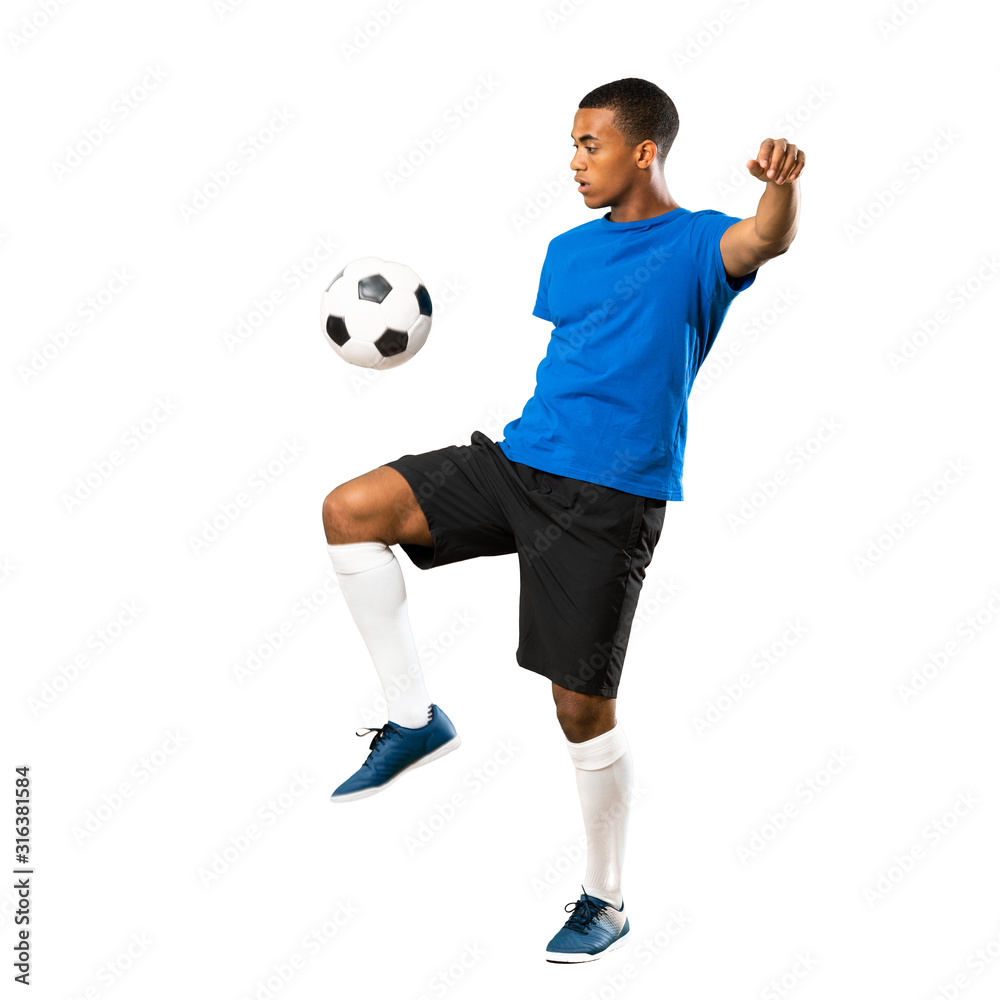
<point x="642" y="111"/>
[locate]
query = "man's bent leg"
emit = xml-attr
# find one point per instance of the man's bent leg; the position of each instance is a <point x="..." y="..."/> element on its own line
<point x="361" y="519"/>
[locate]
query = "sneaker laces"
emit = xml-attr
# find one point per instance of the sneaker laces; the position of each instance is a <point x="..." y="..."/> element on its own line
<point x="380" y="734"/>
<point x="382" y="731"/>
<point x="584" y="914"/>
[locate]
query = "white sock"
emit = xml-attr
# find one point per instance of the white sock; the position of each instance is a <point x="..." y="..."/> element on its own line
<point x="604" y="781"/>
<point x="371" y="580"/>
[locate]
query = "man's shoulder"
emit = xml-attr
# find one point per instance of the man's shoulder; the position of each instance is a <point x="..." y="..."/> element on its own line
<point x="575" y="233"/>
<point x="708" y="215"/>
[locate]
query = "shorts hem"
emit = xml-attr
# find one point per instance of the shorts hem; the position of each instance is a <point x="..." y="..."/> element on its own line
<point x="568" y="681"/>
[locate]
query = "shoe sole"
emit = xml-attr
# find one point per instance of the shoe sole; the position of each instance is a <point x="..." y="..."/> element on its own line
<point x="452" y="744"/>
<point x="573" y="957"/>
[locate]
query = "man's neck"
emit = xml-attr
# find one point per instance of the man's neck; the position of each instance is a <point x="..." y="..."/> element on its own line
<point x="647" y="209"/>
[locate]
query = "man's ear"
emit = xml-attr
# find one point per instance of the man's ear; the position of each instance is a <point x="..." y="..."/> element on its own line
<point x="647" y="154"/>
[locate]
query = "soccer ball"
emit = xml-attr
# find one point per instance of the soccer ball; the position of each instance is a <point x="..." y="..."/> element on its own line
<point x="376" y="313"/>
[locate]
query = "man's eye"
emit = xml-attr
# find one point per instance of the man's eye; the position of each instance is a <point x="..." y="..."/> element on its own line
<point x="589" y="149"/>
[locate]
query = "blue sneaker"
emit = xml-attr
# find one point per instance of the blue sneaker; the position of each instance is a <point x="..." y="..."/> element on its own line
<point x="594" y="929"/>
<point x="395" y="749"/>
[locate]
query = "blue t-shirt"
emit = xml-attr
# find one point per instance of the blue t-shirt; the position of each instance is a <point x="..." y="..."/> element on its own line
<point x="636" y="307"/>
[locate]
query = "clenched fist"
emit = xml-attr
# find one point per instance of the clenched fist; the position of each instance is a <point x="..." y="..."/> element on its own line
<point x="778" y="160"/>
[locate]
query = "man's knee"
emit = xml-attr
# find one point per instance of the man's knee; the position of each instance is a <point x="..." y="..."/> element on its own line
<point x="333" y="514"/>
<point x="347" y="516"/>
<point x="583" y="716"/>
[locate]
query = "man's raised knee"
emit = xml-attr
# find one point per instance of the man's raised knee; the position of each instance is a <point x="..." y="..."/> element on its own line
<point x="343" y="519"/>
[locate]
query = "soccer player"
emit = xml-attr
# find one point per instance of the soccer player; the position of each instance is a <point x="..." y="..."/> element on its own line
<point x="579" y="483"/>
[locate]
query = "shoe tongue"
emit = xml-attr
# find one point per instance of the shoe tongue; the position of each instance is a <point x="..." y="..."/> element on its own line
<point x="597" y="901"/>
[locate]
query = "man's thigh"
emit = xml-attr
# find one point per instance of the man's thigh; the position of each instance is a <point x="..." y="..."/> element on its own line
<point x="466" y="496"/>
<point x="583" y="552"/>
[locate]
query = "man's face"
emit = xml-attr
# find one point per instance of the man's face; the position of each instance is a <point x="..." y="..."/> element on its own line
<point x="602" y="161"/>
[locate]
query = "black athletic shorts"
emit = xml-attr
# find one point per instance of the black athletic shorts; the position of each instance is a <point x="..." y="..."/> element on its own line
<point x="583" y="550"/>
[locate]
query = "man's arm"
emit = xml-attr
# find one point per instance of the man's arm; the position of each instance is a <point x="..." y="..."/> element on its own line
<point x="747" y="244"/>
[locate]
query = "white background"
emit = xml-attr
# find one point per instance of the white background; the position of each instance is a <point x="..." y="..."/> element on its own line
<point x="162" y="711"/>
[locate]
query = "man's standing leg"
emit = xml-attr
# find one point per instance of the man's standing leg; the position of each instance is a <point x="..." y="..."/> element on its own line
<point x="600" y="752"/>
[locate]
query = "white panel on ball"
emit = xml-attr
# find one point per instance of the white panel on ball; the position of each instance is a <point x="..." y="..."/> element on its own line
<point x="365" y="320"/>
<point x="363" y="353"/>
<point x="418" y="334"/>
<point x="363" y="267"/>
<point x="395" y="360"/>
<point x="399" y="275"/>
<point x="400" y="308"/>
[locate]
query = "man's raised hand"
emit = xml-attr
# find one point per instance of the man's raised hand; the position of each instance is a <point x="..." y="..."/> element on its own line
<point x="778" y="160"/>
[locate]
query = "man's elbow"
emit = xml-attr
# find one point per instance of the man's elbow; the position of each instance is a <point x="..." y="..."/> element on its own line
<point x="767" y="251"/>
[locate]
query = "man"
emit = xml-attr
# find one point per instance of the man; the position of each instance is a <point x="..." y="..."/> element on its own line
<point x="579" y="483"/>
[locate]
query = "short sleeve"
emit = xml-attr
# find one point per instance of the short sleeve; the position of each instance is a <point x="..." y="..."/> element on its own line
<point x="541" y="309"/>
<point x="706" y="231"/>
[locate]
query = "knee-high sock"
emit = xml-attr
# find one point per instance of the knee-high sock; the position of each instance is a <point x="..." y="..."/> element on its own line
<point x="371" y="580"/>
<point x="604" y="781"/>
